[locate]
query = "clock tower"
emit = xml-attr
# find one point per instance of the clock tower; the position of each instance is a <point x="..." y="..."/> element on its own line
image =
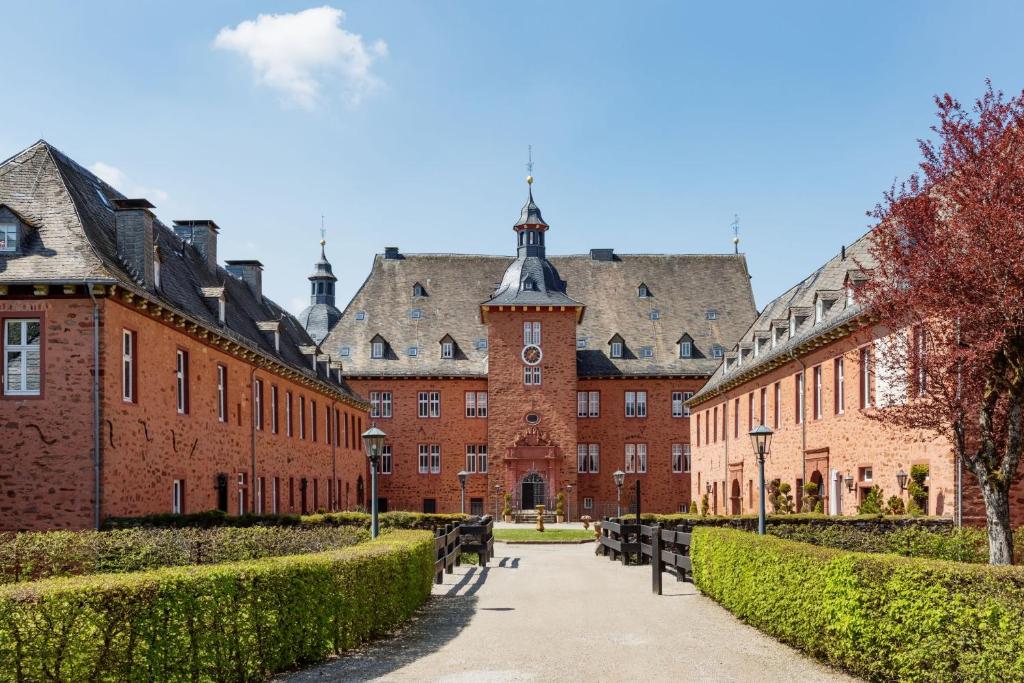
<point x="531" y="324"/>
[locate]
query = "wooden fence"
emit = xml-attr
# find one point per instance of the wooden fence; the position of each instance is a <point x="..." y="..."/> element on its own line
<point x="666" y="550"/>
<point x="479" y="538"/>
<point x="452" y="540"/>
<point x="448" y="547"/>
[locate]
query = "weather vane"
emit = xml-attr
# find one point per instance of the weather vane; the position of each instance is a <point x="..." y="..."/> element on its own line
<point x="323" y="231"/>
<point x="529" y="164"/>
<point x="736" y="233"/>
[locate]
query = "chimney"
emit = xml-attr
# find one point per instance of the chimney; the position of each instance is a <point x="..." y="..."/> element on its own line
<point x="201" y="234"/>
<point x="843" y="252"/>
<point x="602" y="254"/>
<point x="133" y="223"/>
<point x="391" y="253"/>
<point x="251" y="273"/>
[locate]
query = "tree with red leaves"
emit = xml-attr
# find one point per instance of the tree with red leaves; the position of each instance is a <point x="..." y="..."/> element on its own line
<point x="948" y="287"/>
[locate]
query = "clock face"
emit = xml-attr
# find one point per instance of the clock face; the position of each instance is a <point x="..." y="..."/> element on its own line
<point x="532" y="354"/>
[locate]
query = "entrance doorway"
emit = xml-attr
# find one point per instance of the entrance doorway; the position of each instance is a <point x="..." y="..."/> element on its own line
<point x="532" y="491"/>
<point x="735" y="498"/>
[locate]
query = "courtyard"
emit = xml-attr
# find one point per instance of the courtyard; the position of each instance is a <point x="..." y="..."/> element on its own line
<point x="558" y="613"/>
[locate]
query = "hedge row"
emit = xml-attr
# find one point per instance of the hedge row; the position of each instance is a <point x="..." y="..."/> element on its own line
<point x="883" y="617"/>
<point x="216" y="518"/>
<point x="36" y="555"/>
<point x="880" y="523"/>
<point x="228" y="622"/>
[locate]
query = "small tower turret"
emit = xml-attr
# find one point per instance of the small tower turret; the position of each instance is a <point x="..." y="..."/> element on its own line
<point x="321" y="315"/>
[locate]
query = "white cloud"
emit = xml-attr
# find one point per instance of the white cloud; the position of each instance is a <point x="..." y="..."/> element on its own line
<point x="115" y="177"/>
<point x="297" y="54"/>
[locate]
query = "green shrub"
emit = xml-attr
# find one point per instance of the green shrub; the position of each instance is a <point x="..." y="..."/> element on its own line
<point x="916" y="489"/>
<point x="30" y="556"/>
<point x="204" y="520"/>
<point x="962" y="545"/>
<point x="704" y="506"/>
<point x="895" y="506"/>
<point x="882" y="617"/>
<point x="388" y="520"/>
<point x="693" y="507"/>
<point x="872" y="503"/>
<point x="229" y="622"/>
<point x="811" y="498"/>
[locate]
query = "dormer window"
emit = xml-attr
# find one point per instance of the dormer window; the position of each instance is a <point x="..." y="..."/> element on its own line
<point x="616" y="349"/>
<point x="819" y="311"/>
<point x="711" y="314"/>
<point x="222" y="306"/>
<point x="643" y="291"/>
<point x="418" y="291"/>
<point x="8" y="238"/>
<point x="378" y="347"/>
<point x="686" y="349"/>
<point x="849" y="295"/>
<point x="447" y="349"/>
<point x="156" y="268"/>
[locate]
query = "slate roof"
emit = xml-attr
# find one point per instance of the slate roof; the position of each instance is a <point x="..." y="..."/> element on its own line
<point x="531" y="281"/>
<point x="72" y="240"/>
<point x="829" y="281"/>
<point x="683" y="287"/>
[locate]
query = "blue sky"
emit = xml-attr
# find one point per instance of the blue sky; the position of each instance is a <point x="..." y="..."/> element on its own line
<point x="407" y="123"/>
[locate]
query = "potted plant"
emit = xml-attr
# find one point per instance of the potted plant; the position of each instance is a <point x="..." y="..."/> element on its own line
<point x="506" y="512"/>
<point x="586" y="519"/>
<point x="540" y="518"/>
<point x="560" y="507"/>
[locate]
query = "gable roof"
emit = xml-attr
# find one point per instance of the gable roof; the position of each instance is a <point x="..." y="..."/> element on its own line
<point x="800" y="299"/>
<point x="76" y="242"/>
<point x="685" y="285"/>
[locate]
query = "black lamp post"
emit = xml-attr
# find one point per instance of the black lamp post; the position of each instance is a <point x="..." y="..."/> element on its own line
<point x="568" y="502"/>
<point x="901" y="479"/>
<point x="620" y="478"/>
<point x="761" y="438"/>
<point x="463" y="475"/>
<point x="497" y="498"/>
<point x="373" y="442"/>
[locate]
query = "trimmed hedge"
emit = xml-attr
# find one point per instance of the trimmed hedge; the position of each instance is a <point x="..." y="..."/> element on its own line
<point x="216" y="518"/>
<point x="749" y="522"/>
<point x="883" y="617"/>
<point x="31" y="556"/>
<point x="228" y="622"/>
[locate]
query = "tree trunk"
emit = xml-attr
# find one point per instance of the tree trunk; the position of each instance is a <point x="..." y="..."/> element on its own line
<point x="997" y="513"/>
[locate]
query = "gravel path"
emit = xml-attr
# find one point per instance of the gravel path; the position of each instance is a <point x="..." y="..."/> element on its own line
<point x="558" y="613"/>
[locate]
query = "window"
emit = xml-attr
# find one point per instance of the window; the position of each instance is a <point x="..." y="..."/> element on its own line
<point x="423" y="404"/>
<point x="798" y="397"/>
<point x="750" y="411"/>
<point x="415" y="314"/>
<point x="430" y="506"/>
<point x="646" y="352"/>
<point x="840" y="386"/>
<point x="588" y="503"/>
<point x="178" y="496"/>
<point x="128" y="366"/>
<point x="717" y="351"/>
<point x="636" y="404"/>
<point x="470" y="404"/>
<point x="581" y="343"/>
<point x="447" y="349"/>
<point x="435" y="404"/>
<point x="222" y="393"/>
<point x="181" y="381"/>
<point x="594" y="452"/>
<point x="260" y="484"/>
<point x="712" y="314"/>
<point x="684" y="409"/>
<point x="8" y="237"/>
<point x="424" y="465"/>
<point x="418" y="291"/>
<point x="312" y="421"/>
<point x="346" y="351"/>
<point x="273" y="409"/>
<point x="655" y="314"/>
<point x="377" y="350"/>
<point x="866" y="473"/>
<point x="360" y="315"/>
<point x="616" y="349"/>
<point x="385" y="459"/>
<point x="581" y="458"/>
<point x="435" y="458"/>
<point x="777" y="408"/>
<point x="698" y="431"/>
<point x="481" y="404"/>
<point x="531" y="333"/>
<point x="471" y="459"/>
<point x="413" y="351"/>
<point x="735" y="420"/>
<point x="588" y="403"/>
<point x="685" y="349"/>
<point x="588" y="458"/>
<point x="258" y="405"/>
<point x="865" y="377"/>
<point x="764" y="404"/>
<point x="531" y="375"/>
<point x="275" y="486"/>
<point x="642" y="291"/>
<point x="636" y="458"/>
<point x="380" y="404"/>
<point x="630" y="404"/>
<point x="817" y="392"/>
<point x="302" y="417"/>
<point x="680" y="457"/>
<point x="288" y="412"/>
<point x="921" y="360"/>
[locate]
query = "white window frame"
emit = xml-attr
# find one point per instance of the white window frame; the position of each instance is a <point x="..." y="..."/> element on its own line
<point x="531" y="333"/>
<point x="531" y="375"/>
<point x="23" y="349"/>
<point x="588" y="503"/>
<point x="630" y="465"/>
<point x="424" y="458"/>
<point x="177" y="496"/>
<point x="677" y="458"/>
<point x="481" y="404"/>
<point x="435" y="404"/>
<point x="641" y="458"/>
<point x="840" y="398"/>
<point x="447" y="350"/>
<point x="817" y="392"/>
<point x="677" y="404"/>
<point x="386" y="460"/>
<point x="581" y="458"/>
<point x="471" y="458"/>
<point x="9" y="237"/>
<point x="687" y="457"/>
<point x="302" y="417"/>
<point x="481" y="458"/>
<point x="865" y="377"/>
<point x="273" y="495"/>
<point x="641" y="404"/>
<point x="470" y="404"/>
<point x="260" y="482"/>
<point x="288" y="412"/>
<point x="435" y="458"/>
<point x="686" y="349"/>
<point x="423" y="404"/>
<point x="377" y="350"/>
<point x="222" y="399"/>
<point x="181" y="381"/>
<point x="594" y="451"/>
<point x="581" y="404"/>
<point x="273" y="409"/>
<point x="630" y="403"/>
<point x="616" y="349"/>
<point x="128" y="366"/>
<point x="258" y="405"/>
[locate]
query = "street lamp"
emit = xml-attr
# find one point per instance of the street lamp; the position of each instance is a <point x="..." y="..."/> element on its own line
<point x="901" y="479"/>
<point x="620" y="478"/>
<point x="761" y="438"/>
<point x="568" y="502"/>
<point x="373" y="442"/>
<point x="849" y="482"/>
<point x="497" y="497"/>
<point x="463" y="476"/>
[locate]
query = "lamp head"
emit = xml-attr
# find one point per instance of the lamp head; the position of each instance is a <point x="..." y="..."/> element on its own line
<point x="620" y="477"/>
<point x="761" y="439"/>
<point x="463" y="476"/>
<point x="901" y="479"/>
<point x="373" y="442"/>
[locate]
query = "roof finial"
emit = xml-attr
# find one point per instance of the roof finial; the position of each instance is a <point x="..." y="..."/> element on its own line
<point x="736" y="233"/>
<point x="529" y="165"/>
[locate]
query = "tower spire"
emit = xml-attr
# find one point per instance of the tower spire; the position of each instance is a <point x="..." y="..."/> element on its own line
<point x="736" y="233"/>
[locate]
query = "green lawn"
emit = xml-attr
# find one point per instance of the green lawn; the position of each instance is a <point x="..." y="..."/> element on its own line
<point x="550" y="536"/>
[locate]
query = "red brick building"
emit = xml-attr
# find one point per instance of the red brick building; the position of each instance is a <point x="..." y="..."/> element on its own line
<point x="141" y="377"/>
<point x="536" y="375"/>
<point x="806" y="368"/>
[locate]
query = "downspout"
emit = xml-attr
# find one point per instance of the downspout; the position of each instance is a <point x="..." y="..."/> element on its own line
<point x="803" y="420"/>
<point x="96" y="459"/>
<point x="252" y="477"/>
<point x="334" y="456"/>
